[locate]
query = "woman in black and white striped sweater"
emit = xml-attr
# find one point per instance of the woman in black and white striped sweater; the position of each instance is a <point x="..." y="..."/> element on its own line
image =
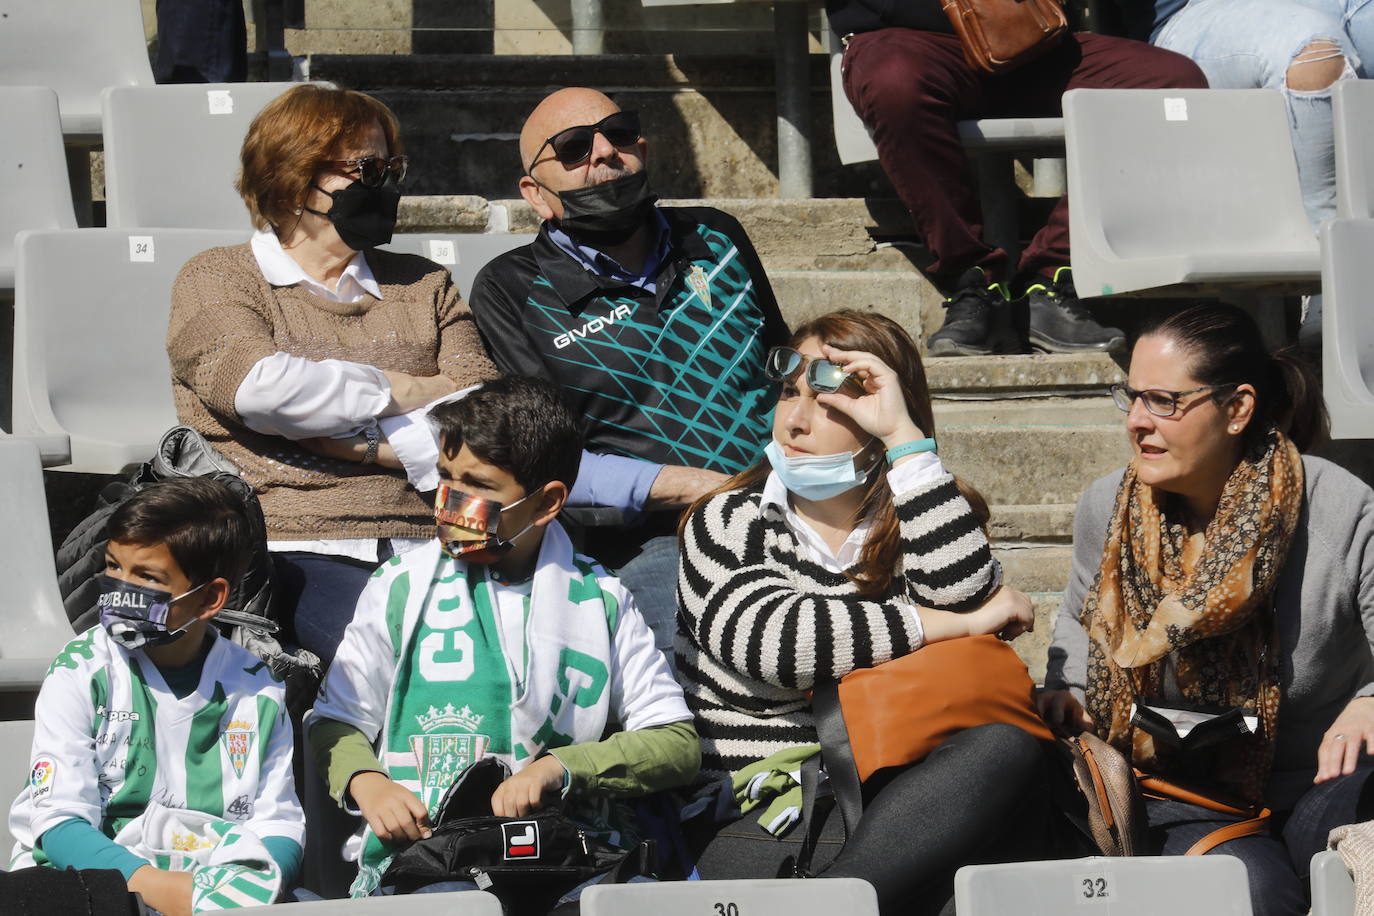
<point x="849" y="546"/>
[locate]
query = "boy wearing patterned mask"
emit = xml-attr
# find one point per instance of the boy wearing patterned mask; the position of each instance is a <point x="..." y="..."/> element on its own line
<point x="160" y="748"/>
<point x="497" y="640"/>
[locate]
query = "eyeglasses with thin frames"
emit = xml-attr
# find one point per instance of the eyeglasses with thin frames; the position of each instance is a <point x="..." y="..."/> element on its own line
<point x="372" y="171"/>
<point x="1158" y="401"/>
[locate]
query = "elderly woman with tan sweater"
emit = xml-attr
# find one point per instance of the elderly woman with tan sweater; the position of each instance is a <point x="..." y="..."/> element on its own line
<point x="307" y="355"/>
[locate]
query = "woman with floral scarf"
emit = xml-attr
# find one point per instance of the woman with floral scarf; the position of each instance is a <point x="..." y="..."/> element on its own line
<point x="1224" y="573"/>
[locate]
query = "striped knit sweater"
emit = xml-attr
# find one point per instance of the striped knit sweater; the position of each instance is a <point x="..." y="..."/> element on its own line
<point x="758" y="624"/>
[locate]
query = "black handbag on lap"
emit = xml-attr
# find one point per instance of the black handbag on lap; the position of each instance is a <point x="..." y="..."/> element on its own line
<point x="528" y="862"/>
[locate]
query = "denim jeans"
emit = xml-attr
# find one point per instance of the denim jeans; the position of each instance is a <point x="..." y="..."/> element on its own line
<point x="1250" y="44"/>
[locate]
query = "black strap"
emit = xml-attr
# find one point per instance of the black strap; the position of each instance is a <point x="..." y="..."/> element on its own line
<point x="811" y="822"/>
<point x="838" y="755"/>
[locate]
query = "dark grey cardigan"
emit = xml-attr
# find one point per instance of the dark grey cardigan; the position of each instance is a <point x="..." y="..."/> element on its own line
<point x="1324" y="601"/>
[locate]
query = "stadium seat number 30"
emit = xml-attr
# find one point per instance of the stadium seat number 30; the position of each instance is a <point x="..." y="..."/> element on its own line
<point x="727" y="909"/>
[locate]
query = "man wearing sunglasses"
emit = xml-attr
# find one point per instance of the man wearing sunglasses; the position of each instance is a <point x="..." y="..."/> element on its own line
<point x="654" y="320"/>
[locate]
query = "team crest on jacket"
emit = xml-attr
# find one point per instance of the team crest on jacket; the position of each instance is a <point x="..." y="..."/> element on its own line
<point x="238" y="741"/>
<point x="441" y="758"/>
<point x="701" y="285"/>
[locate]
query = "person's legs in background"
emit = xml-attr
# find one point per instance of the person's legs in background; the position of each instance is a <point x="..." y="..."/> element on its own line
<point x="651" y="576"/>
<point x="201" y="41"/>
<point x="1275" y="888"/>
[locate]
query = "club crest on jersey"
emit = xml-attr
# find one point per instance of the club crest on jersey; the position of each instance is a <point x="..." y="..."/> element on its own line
<point x="700" y="285"/>
<point x="522" y="839"/>
<point x="238" y="742"/>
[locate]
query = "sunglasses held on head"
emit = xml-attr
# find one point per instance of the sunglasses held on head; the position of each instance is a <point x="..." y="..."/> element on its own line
<point x="372" y="171"/>
<point x="571" y="145"/>
<point x="824" y="376"/>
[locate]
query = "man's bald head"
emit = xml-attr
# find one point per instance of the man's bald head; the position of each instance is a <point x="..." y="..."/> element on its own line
<point x="563" y="109"/>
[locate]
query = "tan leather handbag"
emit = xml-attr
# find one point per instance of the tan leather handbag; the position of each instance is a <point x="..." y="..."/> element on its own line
<point x="1114" y="792"/>
<point x="1001" y="35"/>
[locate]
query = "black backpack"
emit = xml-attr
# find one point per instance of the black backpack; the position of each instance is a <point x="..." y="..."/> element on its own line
<point x="248" y="617"/>
<point x="41" y="891"/>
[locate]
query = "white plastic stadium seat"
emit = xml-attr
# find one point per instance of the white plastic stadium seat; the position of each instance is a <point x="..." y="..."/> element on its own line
<point x="172" y="152"/>
<point x="34" y="191"/>
<point x="90" y="321"/>
<point x="78" y="47"/>
<point x="459" y="903"/>
<point x="1354" y="125"/>
<point x="463" y="253"/>
<point x="1347" y="331"/>
<point x="16" y="740"/>
<point x="827" y="897"/>
<point x="1176" y="192"/>
<point x="1333" y="889"/>
<point x="1139" y="886"/>
<point x="33" y="623"/>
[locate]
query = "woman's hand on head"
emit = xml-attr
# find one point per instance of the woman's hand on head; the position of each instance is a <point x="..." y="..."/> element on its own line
<point x="881" y="411"/>
<point x="1063" y="713"/>
<point x="1348" y="737"/>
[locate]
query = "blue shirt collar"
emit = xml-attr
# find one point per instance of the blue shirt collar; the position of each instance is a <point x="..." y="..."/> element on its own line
<point x="603" y="265"/>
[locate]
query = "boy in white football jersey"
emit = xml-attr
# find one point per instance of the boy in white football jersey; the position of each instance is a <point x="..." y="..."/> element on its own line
<point x="160" y="748"/>
<point x="497" y="640"/>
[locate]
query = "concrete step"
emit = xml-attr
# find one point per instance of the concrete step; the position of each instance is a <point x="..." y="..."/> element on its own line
<point x="830" y="234"/>
<point x="1033" y="647"/>
<point x="461" y="115"/>
<point x="1038" y="375"/>
<point x="1033" y="465"/>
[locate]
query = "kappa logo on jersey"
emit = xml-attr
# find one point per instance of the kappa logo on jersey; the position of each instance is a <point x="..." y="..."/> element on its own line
<point x="41" y="776"/>
<point x="619" y="313"/>
<point x="522" y="839"/>
<point x="238" y="741"/>
<point x="116" y="715"/>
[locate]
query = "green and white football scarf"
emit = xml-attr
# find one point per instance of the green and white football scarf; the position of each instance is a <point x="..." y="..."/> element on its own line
<point x="229" y="865"/>
<point x="453" y="699"/>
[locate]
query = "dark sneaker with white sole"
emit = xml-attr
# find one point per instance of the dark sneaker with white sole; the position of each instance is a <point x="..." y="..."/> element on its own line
<point x="1061" y="323"/>
<point x="977" y="320"/>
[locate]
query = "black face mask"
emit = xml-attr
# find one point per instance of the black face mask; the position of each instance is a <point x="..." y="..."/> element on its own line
<point x="607" y="213"/>
<point x="364" y="217"/>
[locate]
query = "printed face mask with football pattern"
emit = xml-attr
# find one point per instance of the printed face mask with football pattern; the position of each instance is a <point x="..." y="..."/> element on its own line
<point x="467" y="525"/>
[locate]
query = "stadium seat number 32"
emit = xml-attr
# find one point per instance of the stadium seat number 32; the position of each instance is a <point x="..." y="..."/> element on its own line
<point x="1093" y="888"/>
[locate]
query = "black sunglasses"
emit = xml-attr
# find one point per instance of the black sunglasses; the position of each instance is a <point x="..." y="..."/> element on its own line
<point x="784" y="363"/>
<point x="372" y="171"/>
<point x="573" y="144"/>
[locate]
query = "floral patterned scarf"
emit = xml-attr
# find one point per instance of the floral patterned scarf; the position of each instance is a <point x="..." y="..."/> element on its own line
<point x="1204" y="629"/>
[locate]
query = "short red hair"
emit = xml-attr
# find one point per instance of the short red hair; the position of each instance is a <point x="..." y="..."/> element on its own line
<point x="292" y="136"/>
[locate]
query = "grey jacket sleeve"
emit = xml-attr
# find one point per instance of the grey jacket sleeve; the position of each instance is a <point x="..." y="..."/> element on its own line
<point x="1068" y="656"/>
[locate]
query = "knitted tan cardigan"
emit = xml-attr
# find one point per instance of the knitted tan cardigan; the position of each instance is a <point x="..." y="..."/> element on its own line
<point x="226" y="317"/>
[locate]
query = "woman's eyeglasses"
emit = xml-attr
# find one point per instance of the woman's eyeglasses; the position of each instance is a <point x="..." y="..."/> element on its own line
<point x="824" y="376"/>
<point x="573" y="144"/>
<point x="372" y="171"/>
<point x="1157" y="401"/>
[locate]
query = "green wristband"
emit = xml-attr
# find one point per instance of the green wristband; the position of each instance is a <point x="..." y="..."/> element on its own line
<point x="910" y="448"/>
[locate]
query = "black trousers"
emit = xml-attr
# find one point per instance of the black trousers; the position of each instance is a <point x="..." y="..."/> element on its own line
<point x="201" y="41"/>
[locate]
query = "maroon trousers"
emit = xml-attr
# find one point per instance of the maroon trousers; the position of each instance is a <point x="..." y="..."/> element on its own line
<point x="911" y="88"/>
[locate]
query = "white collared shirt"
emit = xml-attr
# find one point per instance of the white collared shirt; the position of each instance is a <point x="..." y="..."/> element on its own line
<point x="916" y="471"/>
<point x="298" y="398"/>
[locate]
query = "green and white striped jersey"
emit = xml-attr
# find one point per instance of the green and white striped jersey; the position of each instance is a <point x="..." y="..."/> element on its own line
<point x="110" y="737"/>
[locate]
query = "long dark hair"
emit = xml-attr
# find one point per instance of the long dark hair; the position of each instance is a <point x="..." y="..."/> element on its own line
<point x="1225" y="348"/>
<point x="886" y="339"/>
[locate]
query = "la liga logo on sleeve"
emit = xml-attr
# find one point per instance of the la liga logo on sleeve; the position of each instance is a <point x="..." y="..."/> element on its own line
<point x="41" y="777"/>
<point x="522" y="839"/>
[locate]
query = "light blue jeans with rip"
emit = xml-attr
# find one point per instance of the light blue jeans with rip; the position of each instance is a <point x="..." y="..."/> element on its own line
<point x="1250" y="44"/>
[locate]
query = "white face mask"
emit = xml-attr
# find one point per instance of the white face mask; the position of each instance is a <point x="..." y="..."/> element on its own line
<point x="816" y="477"/>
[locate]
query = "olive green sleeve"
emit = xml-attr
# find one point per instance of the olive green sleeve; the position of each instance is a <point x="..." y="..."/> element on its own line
<point x="341" y="752"/>
<point x="633" y="763"/>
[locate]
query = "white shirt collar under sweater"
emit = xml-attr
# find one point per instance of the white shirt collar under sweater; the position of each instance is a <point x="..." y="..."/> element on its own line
<point x="280" y="269"/>
<point x="921" y="468"/>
